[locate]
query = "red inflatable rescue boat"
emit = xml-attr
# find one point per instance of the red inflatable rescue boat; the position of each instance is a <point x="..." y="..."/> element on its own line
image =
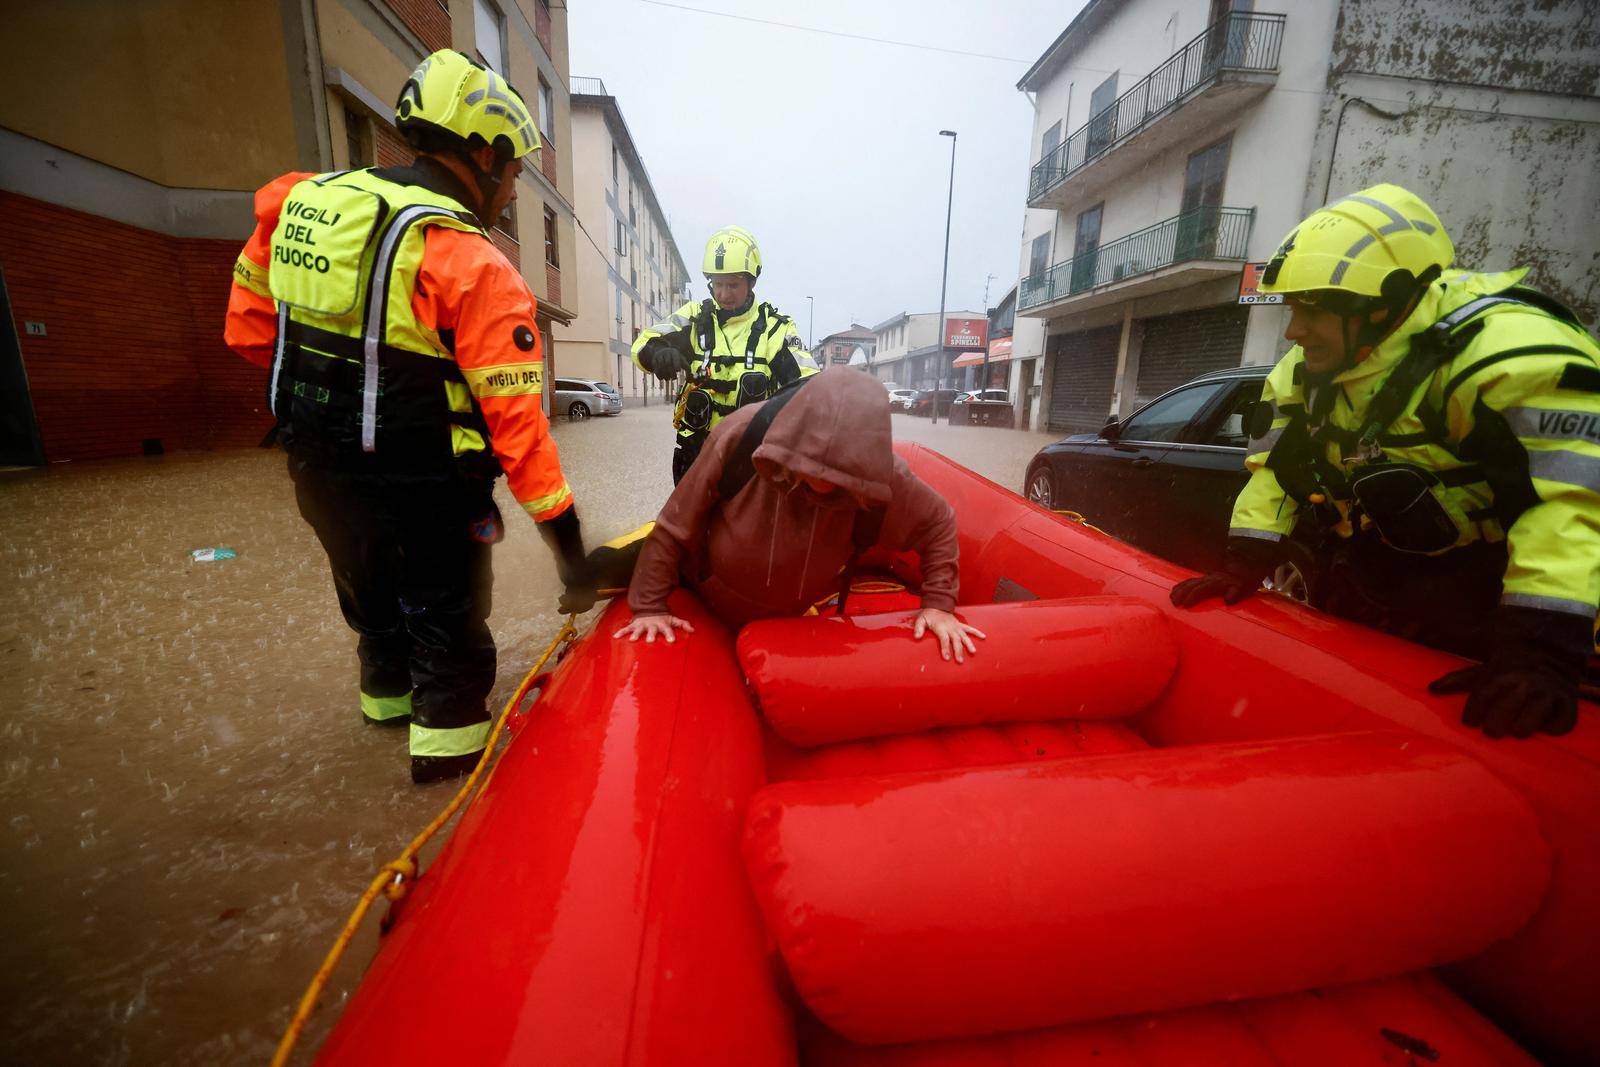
<point x="1119" y="834"/>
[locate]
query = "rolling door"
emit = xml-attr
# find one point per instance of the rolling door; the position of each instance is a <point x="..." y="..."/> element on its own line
<point x="1083" y="373"/>
<point x="1180" y="347"/>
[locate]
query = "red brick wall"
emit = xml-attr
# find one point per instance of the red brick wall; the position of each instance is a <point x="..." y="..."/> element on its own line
<point x="134" y="345"/>
<point x="541" y="25"/>
<point x="547" y="164"/>
<point x="507" y="244"/>
<point x="392" y="150"/>
<point x="428" y="19"/>
<point x="552" y="283"/>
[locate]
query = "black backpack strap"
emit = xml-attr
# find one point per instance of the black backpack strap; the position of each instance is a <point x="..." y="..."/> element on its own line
<point x="864" y="534"/>
<point x="705" y="326"/>
<point x="1433" y="348"/>
<point x="740" y="466"/>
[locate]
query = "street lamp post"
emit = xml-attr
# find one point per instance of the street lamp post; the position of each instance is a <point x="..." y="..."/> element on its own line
<point x="811" y="327"/>
<point x="944" y="277"/>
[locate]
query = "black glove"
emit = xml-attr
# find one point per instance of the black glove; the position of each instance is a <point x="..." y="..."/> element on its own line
<point x="565" y="538"/>
<point x="1245" y="564"/>
<point x="1529" y="683"/>
<point x="664" y="357"/>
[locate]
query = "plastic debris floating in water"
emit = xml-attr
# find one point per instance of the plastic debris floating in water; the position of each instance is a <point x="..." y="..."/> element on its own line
<point x="207" y="555"/>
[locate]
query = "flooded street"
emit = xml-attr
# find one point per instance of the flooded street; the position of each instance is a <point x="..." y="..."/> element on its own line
<point x="193" y="802"/>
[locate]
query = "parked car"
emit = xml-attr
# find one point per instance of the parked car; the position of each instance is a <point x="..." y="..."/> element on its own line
<point x="995" y="395"/>
<point x="923" y="405"/>
<point x="578" y="398"/>
<point x="1165" y="480"/>
<point x="902" y="399"/>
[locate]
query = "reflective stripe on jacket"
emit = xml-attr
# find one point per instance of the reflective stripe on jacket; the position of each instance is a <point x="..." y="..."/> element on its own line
<point x="778" y="355"/>
<point x="1511" y="423"/>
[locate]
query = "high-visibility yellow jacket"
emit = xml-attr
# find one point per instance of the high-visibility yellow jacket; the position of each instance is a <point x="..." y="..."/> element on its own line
<point x="759" y="348"/>
<point x="394" y="330"/>
<point x="1509" y="422"/>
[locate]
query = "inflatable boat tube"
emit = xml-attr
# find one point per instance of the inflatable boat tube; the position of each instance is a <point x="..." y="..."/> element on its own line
<point x="821" y="680"/>
<point x="591" y="907"/>
<point x="1413" y="1020"/>
<point x="1269" y="669"/>
<point x="958" y="746"/>
<point x="911" y="907"/>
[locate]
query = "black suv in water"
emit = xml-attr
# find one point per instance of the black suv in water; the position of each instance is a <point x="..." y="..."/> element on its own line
<point x="1165" y="480"/>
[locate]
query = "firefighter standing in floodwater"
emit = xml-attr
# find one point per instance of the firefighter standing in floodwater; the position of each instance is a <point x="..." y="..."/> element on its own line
<point x="734" y="350"/>
<point x="406" y="376"/>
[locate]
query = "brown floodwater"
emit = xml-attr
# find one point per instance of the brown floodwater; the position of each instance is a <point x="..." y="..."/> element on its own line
<point x="192" y="801"/>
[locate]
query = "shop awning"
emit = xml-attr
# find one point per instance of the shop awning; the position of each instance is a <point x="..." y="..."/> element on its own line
<point x="999" y="351"/>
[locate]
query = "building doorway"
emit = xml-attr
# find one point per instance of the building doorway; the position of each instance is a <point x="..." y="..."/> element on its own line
<point x="19" y="429"/>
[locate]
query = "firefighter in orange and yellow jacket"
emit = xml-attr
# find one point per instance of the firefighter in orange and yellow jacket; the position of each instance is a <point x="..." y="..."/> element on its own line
<point x="406" y="376"/>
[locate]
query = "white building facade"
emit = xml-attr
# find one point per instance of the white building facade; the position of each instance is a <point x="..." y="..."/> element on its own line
<point x="906" y="353"/>
<point x="1161" y="171"/>
<point x="637" y="275"/>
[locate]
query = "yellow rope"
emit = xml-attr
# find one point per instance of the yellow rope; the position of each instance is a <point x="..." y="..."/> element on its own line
<point x="1077" y="517"/>
<point x="392" y="880"/>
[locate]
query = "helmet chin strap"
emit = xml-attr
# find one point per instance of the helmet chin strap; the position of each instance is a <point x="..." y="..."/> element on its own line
<point x="1397" y="304"/>
<point x="488" y="188"/>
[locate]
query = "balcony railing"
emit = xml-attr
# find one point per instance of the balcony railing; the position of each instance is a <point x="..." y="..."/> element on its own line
<point x="1202" y="233"/>
<point x="588" y="87"/>
<point x="1239" y="41"/>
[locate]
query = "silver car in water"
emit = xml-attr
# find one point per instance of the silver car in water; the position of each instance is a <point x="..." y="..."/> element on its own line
<point x="579" y="398"/>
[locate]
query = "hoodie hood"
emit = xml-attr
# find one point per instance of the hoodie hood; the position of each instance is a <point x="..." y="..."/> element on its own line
<point x="835" y="430"/>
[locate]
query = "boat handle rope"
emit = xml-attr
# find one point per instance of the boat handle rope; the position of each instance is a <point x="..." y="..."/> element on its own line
<point x="1077" y="517"/>
<point x="396" y="876"/>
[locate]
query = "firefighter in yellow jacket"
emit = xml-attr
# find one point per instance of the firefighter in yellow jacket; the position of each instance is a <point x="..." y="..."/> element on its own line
<point x="1443" y="427"/>
<point x="406" y="376"/>
<point x="734" y="350"/>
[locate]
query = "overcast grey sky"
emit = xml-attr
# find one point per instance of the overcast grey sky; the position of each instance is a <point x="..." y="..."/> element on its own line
<point x="828" y="148"/>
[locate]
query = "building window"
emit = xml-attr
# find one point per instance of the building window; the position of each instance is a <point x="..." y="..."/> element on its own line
<point x="614" y="168"/>
<point x="552" y="254"/>
<point x="1203" y="177"/>
<point x="507" y="222"/>
<point x="1200" y="221"/>
<point x="357" y="141"/>
<point x="1050" y="141"/>
<point x="489" y="26"/>
<point x="547" y="110"/>
<point x="1102" y="119"/>
<point x="622" y="238"/>
<point x="1085" y="248"/>
<point x="1039" y="255"/>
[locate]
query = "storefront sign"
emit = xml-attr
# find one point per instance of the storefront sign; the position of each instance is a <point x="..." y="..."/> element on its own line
<point x="1249" y="286"/>
<point x="966" y="334"/>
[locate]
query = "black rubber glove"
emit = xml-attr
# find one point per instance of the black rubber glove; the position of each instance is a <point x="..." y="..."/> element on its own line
<point x="1245" y="564"/>
<point x="565" y="538"/>
<point x="1529" y="683"/>
<point x="664" y="357"/>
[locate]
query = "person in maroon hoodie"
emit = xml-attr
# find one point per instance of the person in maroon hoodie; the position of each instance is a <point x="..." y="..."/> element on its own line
<point x="777" y="544"/>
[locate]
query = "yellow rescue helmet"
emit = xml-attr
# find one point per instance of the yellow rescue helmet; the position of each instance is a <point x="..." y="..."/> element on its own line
<point x="1377" y="243"/>
<point x="452" y="102"/>
<point x="732" y="250"/>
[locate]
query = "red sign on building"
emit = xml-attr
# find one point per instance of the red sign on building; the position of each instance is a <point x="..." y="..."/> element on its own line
<point x="1249" y="286"/>
<point x="966" y="334"/>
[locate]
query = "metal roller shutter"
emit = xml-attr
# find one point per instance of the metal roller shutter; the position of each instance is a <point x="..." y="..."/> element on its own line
<point x="1179" y="347"/>
<point x="1084" y="371"/>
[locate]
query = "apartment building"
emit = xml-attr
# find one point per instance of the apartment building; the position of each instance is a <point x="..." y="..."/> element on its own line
<point x="907" y="353"/>
<point x="132" y="139"/>
<point x="1177" y="141"/>
<point x="629" y="265"/>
